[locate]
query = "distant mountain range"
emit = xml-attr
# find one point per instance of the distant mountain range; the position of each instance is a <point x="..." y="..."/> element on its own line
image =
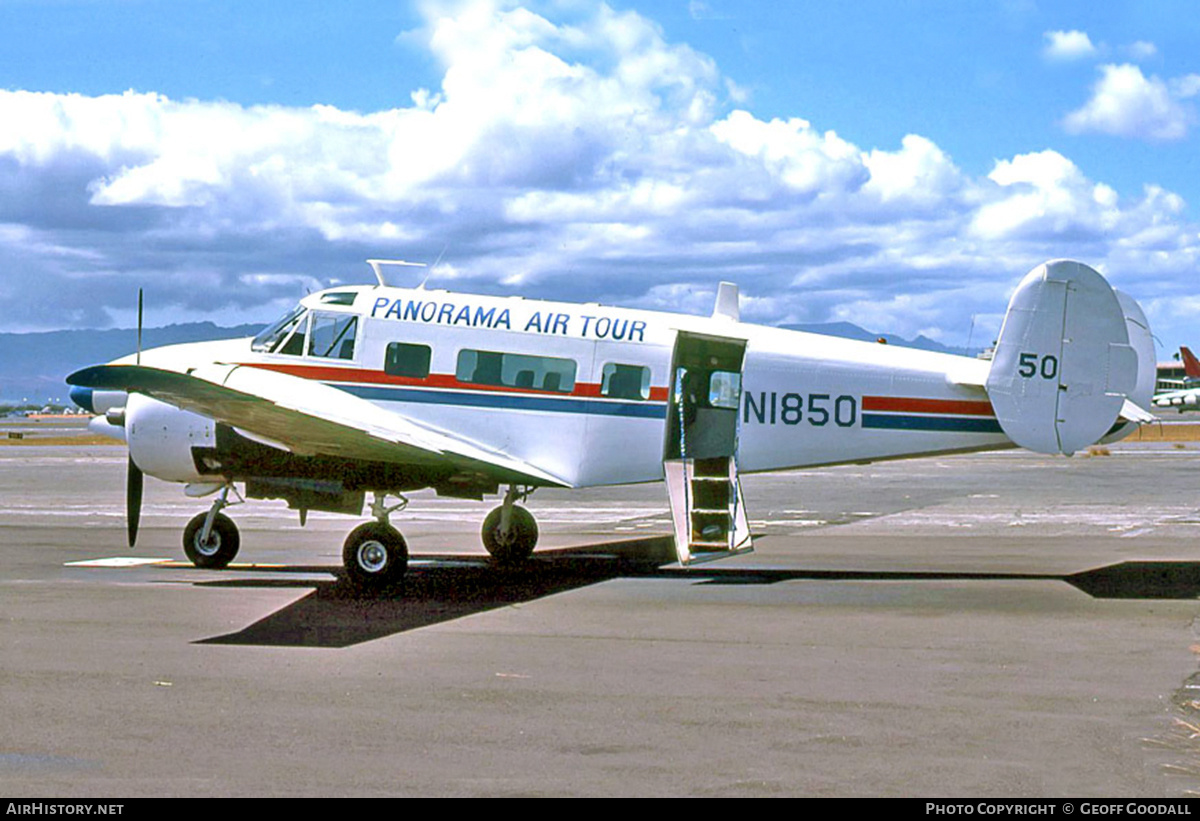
<point x="34" y="365"/>
<point x="848" y="330"/>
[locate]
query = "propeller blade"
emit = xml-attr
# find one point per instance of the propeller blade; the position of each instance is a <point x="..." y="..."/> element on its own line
<point x="139" y="338"/>
<point x="133" y="500"/>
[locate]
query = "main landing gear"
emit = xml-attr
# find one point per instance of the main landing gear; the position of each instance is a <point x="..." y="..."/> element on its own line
<point x="375" y="555"/>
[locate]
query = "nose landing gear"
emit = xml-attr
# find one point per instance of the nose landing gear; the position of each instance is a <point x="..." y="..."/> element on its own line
<point x="211" y="539"/>
<point x="510" y="532"/>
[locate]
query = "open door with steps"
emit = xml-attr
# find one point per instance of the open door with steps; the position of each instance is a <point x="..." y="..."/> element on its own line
<point x="700" y="453"/>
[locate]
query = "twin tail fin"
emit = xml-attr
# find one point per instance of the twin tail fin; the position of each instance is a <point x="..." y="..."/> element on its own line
<point x="1073" y="360"/>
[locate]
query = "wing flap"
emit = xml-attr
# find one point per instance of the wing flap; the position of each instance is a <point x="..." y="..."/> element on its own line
<point x="308" y="418"/>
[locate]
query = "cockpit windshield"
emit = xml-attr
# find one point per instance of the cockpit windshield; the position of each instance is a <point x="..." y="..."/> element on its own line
<point x="273" y="335"/>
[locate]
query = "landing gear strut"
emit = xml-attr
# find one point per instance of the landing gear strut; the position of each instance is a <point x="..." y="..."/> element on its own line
<point x="510" y="532"/>
<point x="211" y="539"/>
<point x="375" y="554"/>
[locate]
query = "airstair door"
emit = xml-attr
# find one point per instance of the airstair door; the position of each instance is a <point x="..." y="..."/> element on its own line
<point x="700" y="452"/>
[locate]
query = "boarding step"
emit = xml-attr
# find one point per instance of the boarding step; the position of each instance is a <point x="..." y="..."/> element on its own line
<point x="707" y="509"/>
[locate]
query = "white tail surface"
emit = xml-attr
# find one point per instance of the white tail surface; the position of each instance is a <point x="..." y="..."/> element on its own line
<point x="1064" y="365"/>
<point x="1143" y="342"/>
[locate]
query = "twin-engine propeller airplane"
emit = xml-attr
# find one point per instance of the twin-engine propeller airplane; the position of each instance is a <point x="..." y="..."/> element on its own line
<point x="391" y="390"/>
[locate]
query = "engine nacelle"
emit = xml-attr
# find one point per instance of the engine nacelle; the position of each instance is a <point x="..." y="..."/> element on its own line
<point x="161" y="438"/>
<point x="99" y="402"/>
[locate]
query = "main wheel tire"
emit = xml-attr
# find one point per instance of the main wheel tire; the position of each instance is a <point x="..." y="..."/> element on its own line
<point x="375" y="556"/>
<point x="221" y="547"/>
<point x="521" y="538"/>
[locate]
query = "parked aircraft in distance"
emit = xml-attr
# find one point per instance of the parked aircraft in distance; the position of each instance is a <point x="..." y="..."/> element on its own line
<point x="383" y="390"/>
<point x="1187" y="397"/>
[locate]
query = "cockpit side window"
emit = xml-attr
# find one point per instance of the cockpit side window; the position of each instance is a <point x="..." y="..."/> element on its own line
<point x="332" y="335"/>
<point x="273" y="335"/>
<point x="294" y="344"/>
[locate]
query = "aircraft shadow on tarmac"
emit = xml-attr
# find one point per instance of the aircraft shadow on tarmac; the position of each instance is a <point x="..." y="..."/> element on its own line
<point x="443" y="588"/>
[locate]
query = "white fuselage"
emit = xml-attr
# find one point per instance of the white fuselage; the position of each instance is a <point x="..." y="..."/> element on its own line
<point x="806" y="400"/>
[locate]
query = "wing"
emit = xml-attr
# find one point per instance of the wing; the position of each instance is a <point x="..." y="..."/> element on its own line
<point x="1186" y="399"/>
<point x="308" y="418"/>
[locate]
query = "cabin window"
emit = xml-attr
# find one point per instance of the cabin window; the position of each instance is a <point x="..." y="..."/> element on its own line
<point x="513" y="370"/>
<point x="332" y="335"/>
<point x="274" y="334"/>
<point x="625" y="381"/>
<point x="338" y="298"/>
<point x="725" y="389"/>
<point x="403" y="359"/>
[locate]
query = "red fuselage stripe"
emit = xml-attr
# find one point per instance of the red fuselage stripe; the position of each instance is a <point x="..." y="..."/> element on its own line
<point x="901" y="404"/>
<point x="326" y="373"/>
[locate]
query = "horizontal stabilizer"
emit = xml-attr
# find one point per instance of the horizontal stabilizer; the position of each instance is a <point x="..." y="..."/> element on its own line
<point x="1131" y="412"/>
<point x="1064" y="366"/>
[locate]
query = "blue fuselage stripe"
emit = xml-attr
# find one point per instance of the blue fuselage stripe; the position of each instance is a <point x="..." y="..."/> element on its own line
<point x="508" y="401"/>
<point x="637" y="410"/>
<point x="936" y="423"/>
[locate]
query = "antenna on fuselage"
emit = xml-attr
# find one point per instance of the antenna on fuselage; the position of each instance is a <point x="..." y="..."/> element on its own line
<point x="425" y="281"/>
<point x="376" y="263"/>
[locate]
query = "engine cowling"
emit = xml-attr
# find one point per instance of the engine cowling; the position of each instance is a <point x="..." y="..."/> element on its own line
<point x="161" y="438"/>
<point x="99" y="402"/>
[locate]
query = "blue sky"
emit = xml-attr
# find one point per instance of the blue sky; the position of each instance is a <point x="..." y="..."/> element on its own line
<point x="895" y="164"/>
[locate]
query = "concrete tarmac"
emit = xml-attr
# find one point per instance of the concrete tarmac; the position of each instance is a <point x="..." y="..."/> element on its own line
<point x="990" y="625"/>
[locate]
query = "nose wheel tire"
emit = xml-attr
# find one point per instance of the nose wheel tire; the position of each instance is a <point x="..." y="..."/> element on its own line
<point x="518" y="543"/>
<point x="221" y="546"/>
<point x="375" y="556"/>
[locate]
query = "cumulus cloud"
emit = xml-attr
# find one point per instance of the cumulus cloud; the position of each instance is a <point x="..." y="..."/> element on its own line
<point x="1045" y="194"/>
<point x="791" y="153"/>
<point x="582" y="157"/>
<point x="1064" y="46"/>
<point x="920" y="174"/>
<point x="1126" y="103"/>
